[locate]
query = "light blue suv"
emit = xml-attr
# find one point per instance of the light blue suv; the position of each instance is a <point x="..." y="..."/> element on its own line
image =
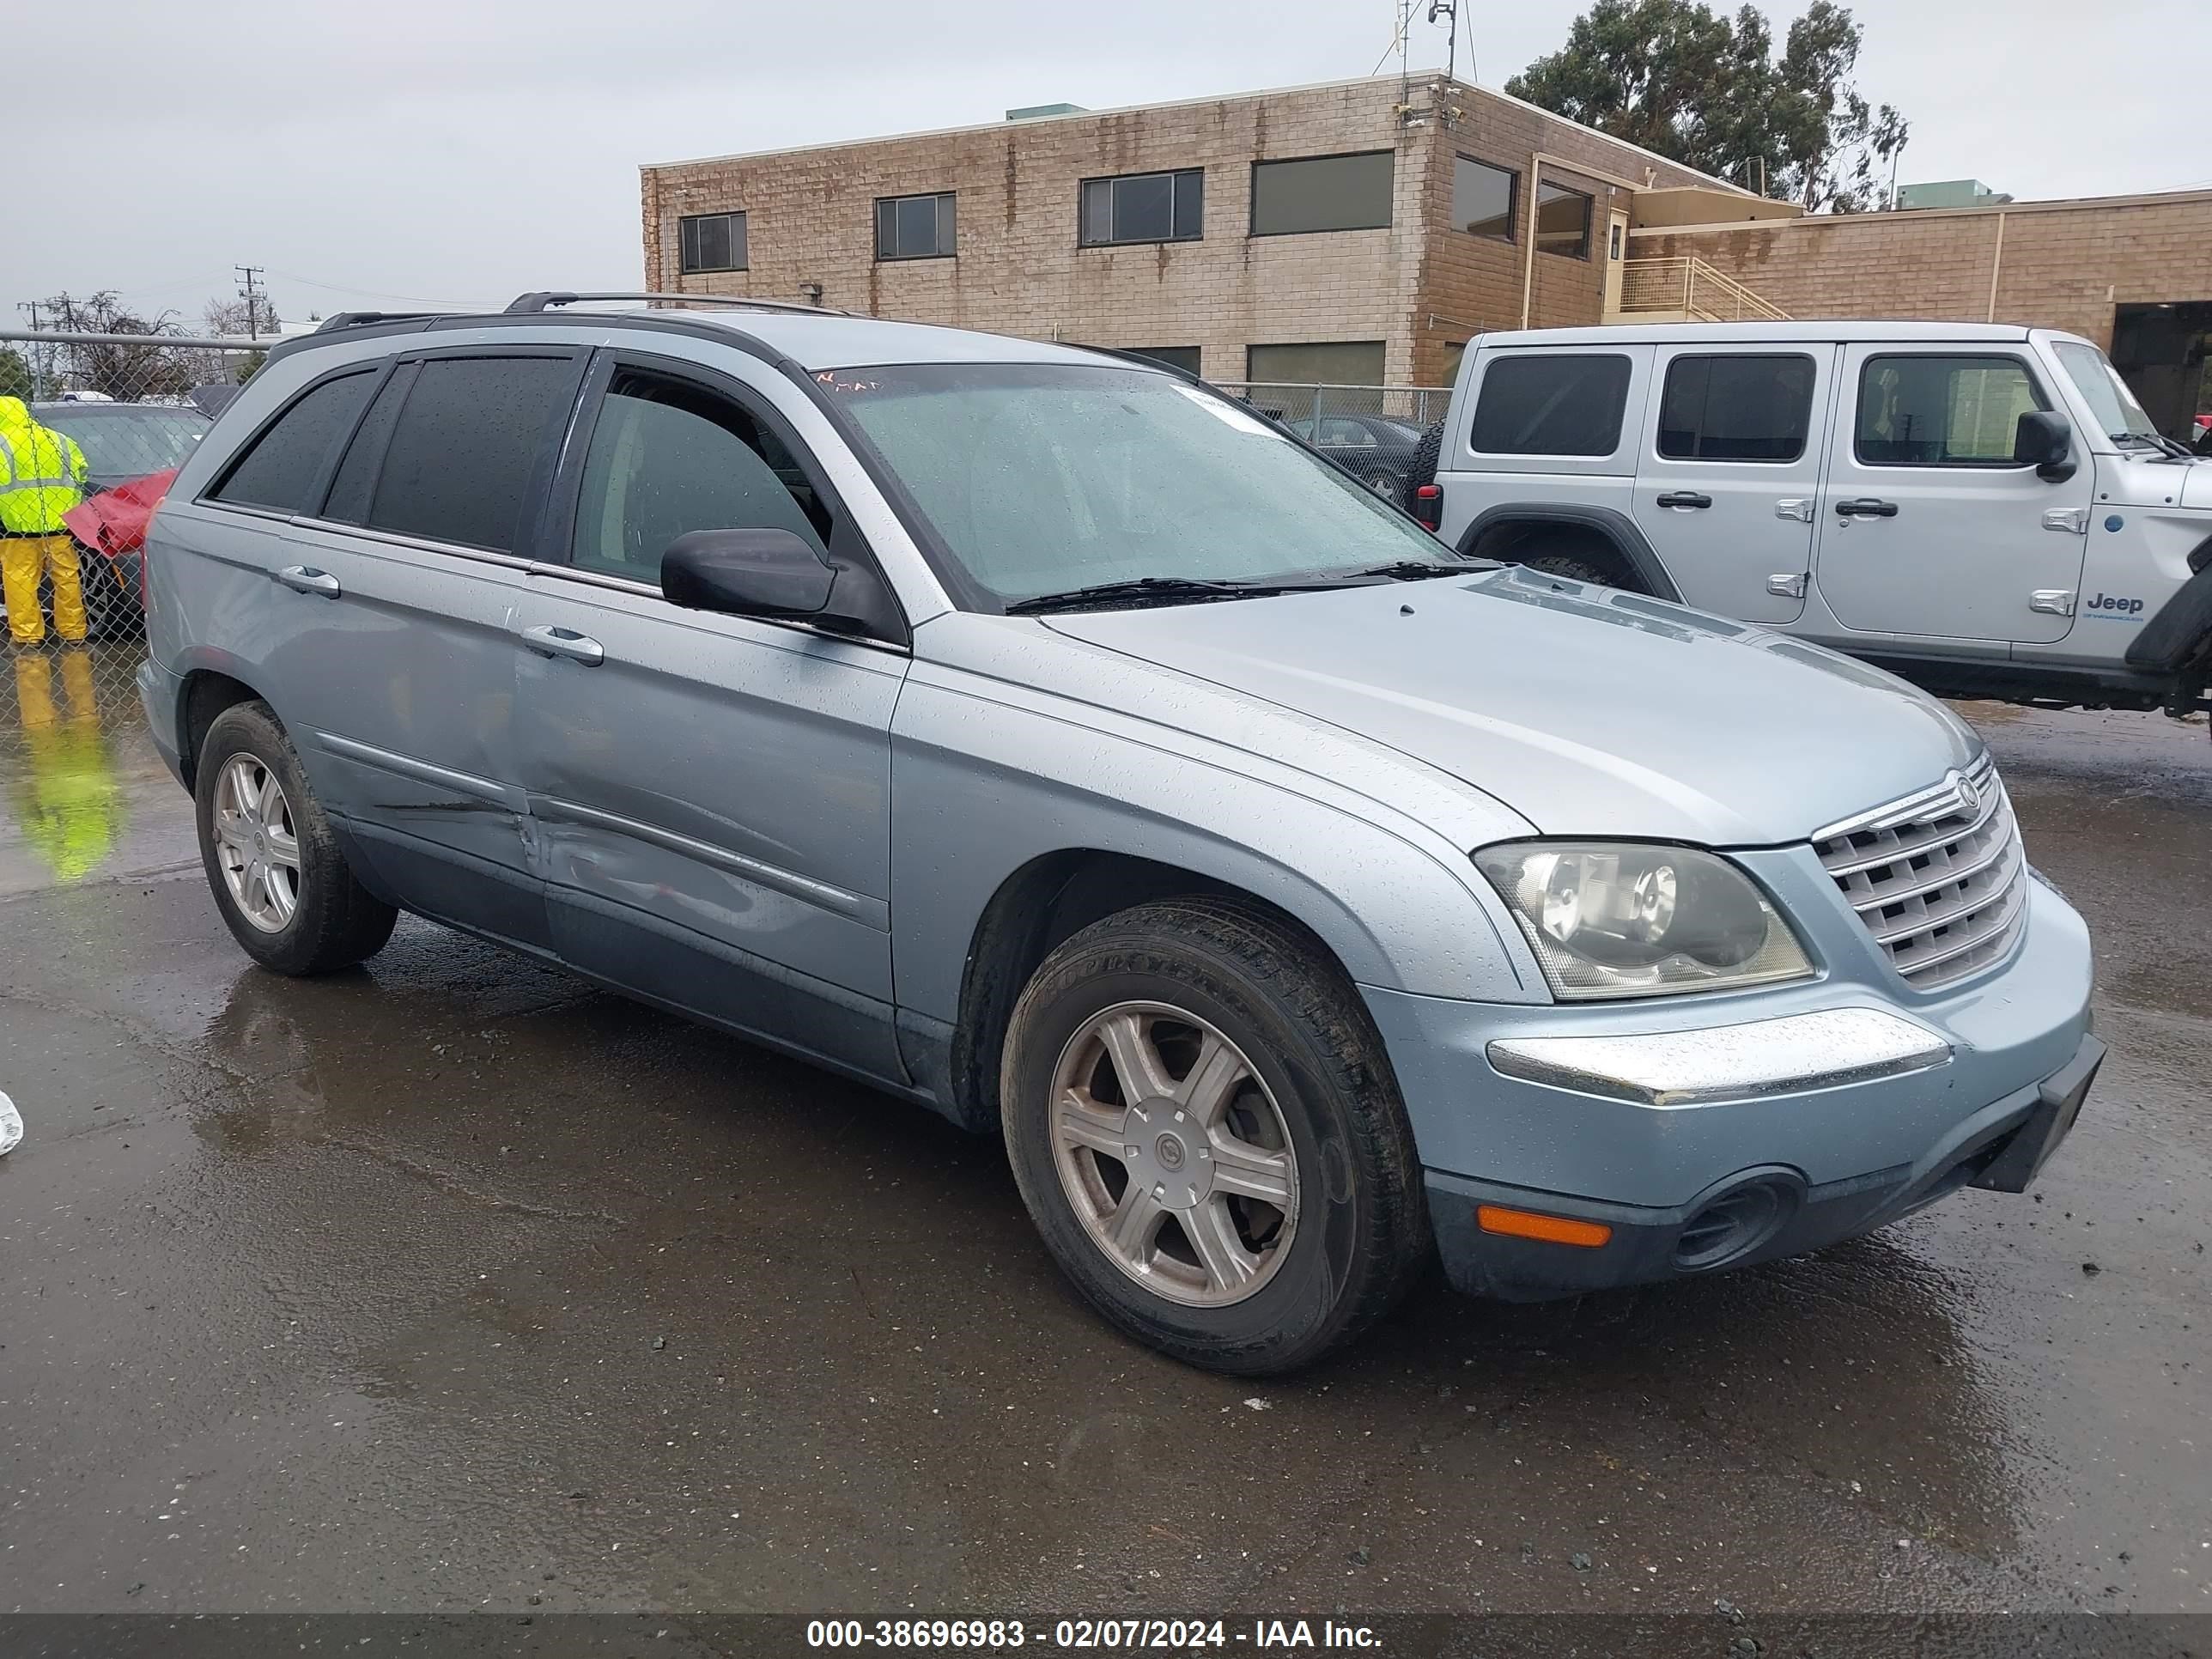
<point x="1047" y="739"/>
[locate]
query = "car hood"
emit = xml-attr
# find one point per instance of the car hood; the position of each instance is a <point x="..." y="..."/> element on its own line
<point x="1587" y="711"/>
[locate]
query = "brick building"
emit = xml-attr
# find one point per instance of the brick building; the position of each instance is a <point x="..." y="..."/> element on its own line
<point x="2133" y="273"/>
<point x="1360" y="232"/>
<point x="1324" y="236"/>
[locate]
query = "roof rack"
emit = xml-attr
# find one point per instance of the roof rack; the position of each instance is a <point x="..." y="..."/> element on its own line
<point x="531" y="303"/>
<point x="361" y="319"/>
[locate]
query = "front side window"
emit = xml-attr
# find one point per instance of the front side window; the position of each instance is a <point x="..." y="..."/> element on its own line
<point x="1563" y="221"/>
<point x="473" y="436"/>
<point x="915" y="226"/>
<point x="286" y="461"/>
<point x="1322" y="192"/>
<point x="1736" y="408"/>
<point x="1943" y="412"/>
<point x="1564" y="404"/>
<point x="1143" y="207"/>
<point x="713" y="241"/>
<point x="1483" y="198"/>
<point x="1037" y="478"/>
<point x="668" y="458"/>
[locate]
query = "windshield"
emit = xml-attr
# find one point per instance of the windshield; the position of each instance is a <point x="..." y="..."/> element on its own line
<point x="1039" y="478"/>
<point x="2118" y="415"/>
<point x="128" y="443"/>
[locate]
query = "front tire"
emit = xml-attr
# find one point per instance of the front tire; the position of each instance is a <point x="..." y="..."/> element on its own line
<point x="283" y="887"/>
<point x="1205" y="1129"/>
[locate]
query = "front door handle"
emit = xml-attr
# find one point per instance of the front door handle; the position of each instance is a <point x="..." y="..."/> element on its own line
<point x="301" y="579"/>
<point x="1866" y="506"/>
<point x="549" y="642"/>
<point x="1685" y="498"/>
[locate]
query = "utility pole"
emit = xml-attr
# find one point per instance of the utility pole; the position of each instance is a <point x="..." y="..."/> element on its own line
<point x="38" y="375"/>
<point x="252" y="301"/>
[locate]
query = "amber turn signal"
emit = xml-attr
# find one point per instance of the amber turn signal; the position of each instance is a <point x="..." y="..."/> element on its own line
<point x="1551" y="1229"/>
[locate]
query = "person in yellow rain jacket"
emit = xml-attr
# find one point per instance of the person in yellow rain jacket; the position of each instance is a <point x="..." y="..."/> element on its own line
<point x="42" y="475"/>
<point x="68" y="800"/>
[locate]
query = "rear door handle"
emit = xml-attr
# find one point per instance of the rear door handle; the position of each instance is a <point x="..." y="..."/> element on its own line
<point x="1685" y="498"/>
<point x="549" y="642"/>
<point x="301" y="579"/>
<point x="1866" y="506"/>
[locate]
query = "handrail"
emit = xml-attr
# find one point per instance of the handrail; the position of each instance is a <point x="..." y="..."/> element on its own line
<point x="1685" y="283"/>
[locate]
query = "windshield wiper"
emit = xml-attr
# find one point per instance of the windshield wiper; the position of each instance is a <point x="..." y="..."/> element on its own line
<point x="1414" y="570"/>
<point x="2165" y="446"/>
<point x="1149" y="589"/>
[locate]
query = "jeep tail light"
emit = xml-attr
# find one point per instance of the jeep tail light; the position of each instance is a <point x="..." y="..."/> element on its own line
<point x="1429" y="506"/>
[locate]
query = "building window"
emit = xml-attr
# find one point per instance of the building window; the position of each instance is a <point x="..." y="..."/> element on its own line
<point x="1563" y="221"/>
<point x="1736" y="408"/>
<point x="1182" y="357"/>
<point x="1483" y="198"/>
<point x="1143" y="207"/>
<point x="1322" y="192"/>
<point x="915" y="226"/>
<point x="1551" y="403"/>
<point x="1943" y="412"/>
<point x="1333" y="362"/>
<point x="713" y="241"/>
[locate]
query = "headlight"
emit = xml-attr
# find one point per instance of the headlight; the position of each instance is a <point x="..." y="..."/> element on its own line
<point x="1611" y="919"/>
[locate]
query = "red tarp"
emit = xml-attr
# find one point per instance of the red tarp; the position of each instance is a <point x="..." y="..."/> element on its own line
<point x="114" y="521"/>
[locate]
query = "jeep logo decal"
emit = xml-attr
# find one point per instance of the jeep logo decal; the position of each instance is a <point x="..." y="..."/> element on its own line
<point x="2113" y="602"/>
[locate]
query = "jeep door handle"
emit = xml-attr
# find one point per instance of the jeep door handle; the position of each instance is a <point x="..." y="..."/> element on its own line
<point x="549" y="642"/>
<point x="301" y="579"/>
<point x="1866" y="506"/>
<point x="1685" y="498"/>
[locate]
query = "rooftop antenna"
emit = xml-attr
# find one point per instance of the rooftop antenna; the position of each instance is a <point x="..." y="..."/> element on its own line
<point x="1450" y="9"/>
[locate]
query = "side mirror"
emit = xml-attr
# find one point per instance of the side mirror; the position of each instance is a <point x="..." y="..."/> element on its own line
<point x="747" y="573"/>
<point x="2045" y="442"/>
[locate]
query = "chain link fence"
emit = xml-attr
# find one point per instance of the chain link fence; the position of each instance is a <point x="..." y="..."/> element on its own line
<point x="74" y="747"/>
<point x="1371" y="431"/>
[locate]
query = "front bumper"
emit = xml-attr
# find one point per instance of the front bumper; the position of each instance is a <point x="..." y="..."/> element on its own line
<point x="1643" y="1144"/>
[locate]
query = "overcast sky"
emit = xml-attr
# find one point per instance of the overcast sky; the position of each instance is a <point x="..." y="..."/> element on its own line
<point x="461" y="153"/>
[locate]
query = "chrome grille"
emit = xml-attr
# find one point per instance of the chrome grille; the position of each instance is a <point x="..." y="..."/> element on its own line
<point x="1939" y="879"/>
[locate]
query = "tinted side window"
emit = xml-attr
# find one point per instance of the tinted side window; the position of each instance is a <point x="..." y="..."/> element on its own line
<point x="1552" y="406"/>
<point x="286" y="461"/>
<point x="1736" y="409"/>
<point x="473" y="433"/>
<point x="668" y="458"/>
<point x="1943" y="412"/>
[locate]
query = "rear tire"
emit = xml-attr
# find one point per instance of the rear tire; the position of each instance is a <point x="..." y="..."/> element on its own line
<point x="1248" y="1226"/>
<point x="284" y="889"/>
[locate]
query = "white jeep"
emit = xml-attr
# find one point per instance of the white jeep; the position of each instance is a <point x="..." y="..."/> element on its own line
<point x="1983" y="510"/>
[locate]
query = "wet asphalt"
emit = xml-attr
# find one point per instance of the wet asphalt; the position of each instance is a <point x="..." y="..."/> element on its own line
<point x="451" y="1284"/>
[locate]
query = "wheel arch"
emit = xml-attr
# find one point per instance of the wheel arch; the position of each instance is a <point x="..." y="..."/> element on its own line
<point x="1036" y="909"/>
<point x="1614" y="531"/>
<point x="201" y="697"/>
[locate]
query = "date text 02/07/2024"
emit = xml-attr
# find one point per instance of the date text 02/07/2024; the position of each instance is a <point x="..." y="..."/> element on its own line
<point x="1138" y="1635"/>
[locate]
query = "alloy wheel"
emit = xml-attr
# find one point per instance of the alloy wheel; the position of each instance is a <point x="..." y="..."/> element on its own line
<point x="256" y="843"/>
<point x="1174" y="1154"/>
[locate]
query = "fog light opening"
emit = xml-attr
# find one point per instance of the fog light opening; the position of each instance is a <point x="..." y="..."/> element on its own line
<point x="1733" y="1225"/>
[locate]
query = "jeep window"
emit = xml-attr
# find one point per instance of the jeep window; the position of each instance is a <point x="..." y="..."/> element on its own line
<point x="472" y="435"/>
<point x="1736" y="408"/>
<point x="2118" y="415"/>
<point x="1943" y="412"/>
<point x="286" y="461"/>
<point x="1551" y="405"/>
<point x="1041" y="478"/>
<point x="668" y="458"/>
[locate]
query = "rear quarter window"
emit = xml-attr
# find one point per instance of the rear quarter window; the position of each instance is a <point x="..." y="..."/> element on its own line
<point x="281" y="467"/>
<point x="1552" y="404"/>
<point x="473" y="436"/>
